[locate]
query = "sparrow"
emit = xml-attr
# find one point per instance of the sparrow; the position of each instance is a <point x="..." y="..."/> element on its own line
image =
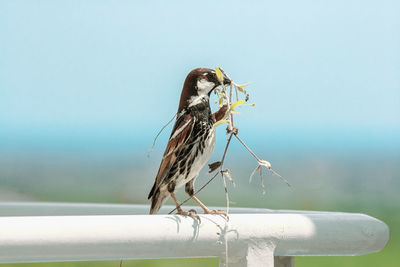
<point x="191" y="143"/>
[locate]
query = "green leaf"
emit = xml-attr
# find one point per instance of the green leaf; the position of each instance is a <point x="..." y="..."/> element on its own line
<point x="221" y="100"/>
<point x="219" y="74"/>
<point x="238" y="103"/>
<point x="241" y="90"/>
<point x="220" y="122"/>
<point x="243" y="85"/>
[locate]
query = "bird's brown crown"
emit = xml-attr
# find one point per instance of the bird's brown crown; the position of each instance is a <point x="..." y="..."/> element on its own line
<point x="190" y="87"/>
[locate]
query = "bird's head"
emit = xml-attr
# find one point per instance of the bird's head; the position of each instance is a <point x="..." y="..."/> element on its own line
<point x="199" y="83"/>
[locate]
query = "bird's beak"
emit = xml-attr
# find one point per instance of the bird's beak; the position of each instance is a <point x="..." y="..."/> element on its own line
<point x="226" y="81"/>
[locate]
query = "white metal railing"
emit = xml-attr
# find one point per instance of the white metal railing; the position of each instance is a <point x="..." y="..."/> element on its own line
<point x="43" y="232"/>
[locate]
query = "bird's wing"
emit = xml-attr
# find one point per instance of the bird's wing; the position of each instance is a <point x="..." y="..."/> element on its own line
<point x="179" y="137"/>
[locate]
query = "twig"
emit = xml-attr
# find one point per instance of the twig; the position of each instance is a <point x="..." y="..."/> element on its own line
<point x="232" y="130"/>
<point x="262" y="182"/>
<point x="237" y="94"/>
<point x="264" y="163"/>
<point x="248" y="149"/>
<point x="155" y="139"/>
<point x="230" y="113"/>
<point x="226" y="192"/>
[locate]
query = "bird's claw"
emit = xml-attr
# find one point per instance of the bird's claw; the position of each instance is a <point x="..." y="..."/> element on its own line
<point x="217" y="212"/>
<point x="191" y="213"/>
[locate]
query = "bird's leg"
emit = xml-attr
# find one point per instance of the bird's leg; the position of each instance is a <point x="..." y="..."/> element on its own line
<point x="207" y="210"/>
<point x="190" y="213"/>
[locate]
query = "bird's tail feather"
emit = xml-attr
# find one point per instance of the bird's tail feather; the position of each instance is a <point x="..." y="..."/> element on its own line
<point x="158" y="198"/>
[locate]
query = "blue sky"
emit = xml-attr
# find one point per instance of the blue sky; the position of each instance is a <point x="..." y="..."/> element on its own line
<point x="95" y="70"/>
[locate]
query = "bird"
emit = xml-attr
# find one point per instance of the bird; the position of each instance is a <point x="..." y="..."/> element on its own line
<point x="191" y="142"/>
